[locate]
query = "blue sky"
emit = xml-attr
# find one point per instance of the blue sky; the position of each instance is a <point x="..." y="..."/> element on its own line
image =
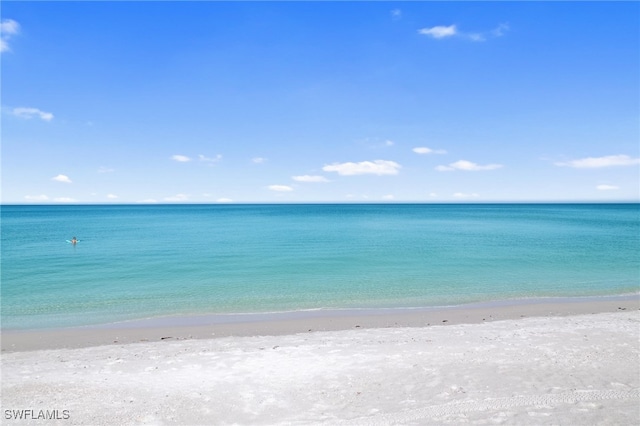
<point x="119" y="102"/>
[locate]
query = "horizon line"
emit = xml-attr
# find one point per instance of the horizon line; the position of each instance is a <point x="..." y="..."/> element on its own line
<point x="213" y="203"/>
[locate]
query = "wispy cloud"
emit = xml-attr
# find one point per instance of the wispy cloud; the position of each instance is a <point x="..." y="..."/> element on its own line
<point x="465" y="195"/>
<point x="396" y="14"/>
<point x="607" y="187"/>
<point x="425" y="150"/>
<point x="308" y="178"/>
<point x="210" y="160"/>
<point x="500" y="30"/>
<point x="376" y="143"/>
<point x="180" y="158"/>
<point x="148" y="200"/>
<point x="441" y="31"/>
<point x="103" y="169"/>
<point x="224" y="200"/>
<point x="201" y="158"/>
<point x="8" y="28"/>
<point x="376" y="167"/>
<point x="468" y="166"/>
<point x="259" y="160"/>
<point x="29" y="113"/>
<point x="388" y="197"/>
<point x="476" y="37"/>
<point x="65" y="200"/>
<point x="62" y="178"/>
<point x="280" y="188"/>
<point x="599" y="162"/>
<point x="41" y="197"/>
<point x="112" y="196"/>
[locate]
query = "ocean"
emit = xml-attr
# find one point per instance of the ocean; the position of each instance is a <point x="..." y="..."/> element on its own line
<point x="146" y="261"/>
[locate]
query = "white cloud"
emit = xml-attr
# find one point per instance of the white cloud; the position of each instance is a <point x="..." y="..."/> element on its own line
<point x="148" y="200"/>
<point x="425" y="150"/>
<point x="607" y="187"/>
<point x="376" y="167"/>
<point x="65" y="200"/>
<point x="433" y="194"/>
<point x="112" y="196"/>
<point x="598" y="162"/>
<point x="103" y="169"/>
<point x="41" y="197"/>
<point x="464" y="195"/>
<point x="29" y="113"/>
<point x="280" y="188"/>
<point x="8" y="28"/>
<point x="224" y="200"/>
<point x="215" y="159"/>
<point x="259" y="160"/>
<point x="396" y="14"/>
<point x="467" y="166"/>
<point x="376" y="143"/>
<point x="202" y="158"/>
<point x="308" y="178"/>
<point x="500" y="30"/>
<point x="439" y="31"/>
<point x="388" y="197"/>
<point x="177" y="197"/>
<point x="61" y="178"/>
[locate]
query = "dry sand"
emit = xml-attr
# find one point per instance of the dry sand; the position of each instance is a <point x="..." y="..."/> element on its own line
<point x="568" y="370"/>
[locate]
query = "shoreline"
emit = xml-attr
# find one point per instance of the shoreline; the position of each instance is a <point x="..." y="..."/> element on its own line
<point x="577" y="369"/>
<point x="289" y="323"/>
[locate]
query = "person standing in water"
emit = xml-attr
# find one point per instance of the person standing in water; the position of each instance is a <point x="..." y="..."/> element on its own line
<point x="74" y="241"/>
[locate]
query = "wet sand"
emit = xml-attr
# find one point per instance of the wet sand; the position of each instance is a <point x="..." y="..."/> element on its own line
<point x="528" y="364"/>
<point x="215" y="326"/>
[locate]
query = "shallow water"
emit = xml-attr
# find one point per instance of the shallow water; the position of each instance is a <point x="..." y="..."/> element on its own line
<point x="139" y="261"/>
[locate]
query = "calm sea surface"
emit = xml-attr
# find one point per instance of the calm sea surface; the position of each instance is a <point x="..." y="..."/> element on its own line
<point x="136" y="261"/>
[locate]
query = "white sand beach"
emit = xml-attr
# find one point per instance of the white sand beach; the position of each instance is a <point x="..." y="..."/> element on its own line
<point x="568" y="370"/>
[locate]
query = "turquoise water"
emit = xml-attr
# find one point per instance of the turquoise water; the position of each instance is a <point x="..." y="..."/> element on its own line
<point x="140" y="261"/>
